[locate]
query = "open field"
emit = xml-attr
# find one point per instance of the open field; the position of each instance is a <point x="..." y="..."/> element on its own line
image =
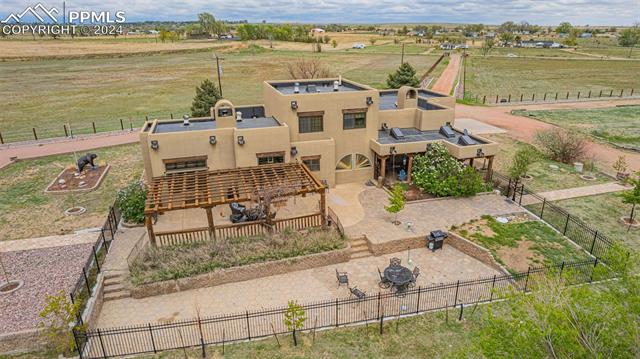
<point x="79" y="91"/>
<point x="79" y="47"/>
<point x="604" y="211"/>
<point x="619" y="126"/>
<point x="525" y="52"/>
<point x="492" y="76"/>
<point x="26" y="211"/>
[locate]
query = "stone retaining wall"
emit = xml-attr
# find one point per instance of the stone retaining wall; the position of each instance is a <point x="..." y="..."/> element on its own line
<point x="473" y="250"/>
<point x="238" y="274"/>
<point x="398" y="245"/>
<point x="22" y="342"/>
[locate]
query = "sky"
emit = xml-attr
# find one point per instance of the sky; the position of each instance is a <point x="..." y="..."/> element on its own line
<point x="541" y="12"/>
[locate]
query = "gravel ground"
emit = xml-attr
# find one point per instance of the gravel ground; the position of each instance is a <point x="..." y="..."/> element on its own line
<point x="44" y="271"/>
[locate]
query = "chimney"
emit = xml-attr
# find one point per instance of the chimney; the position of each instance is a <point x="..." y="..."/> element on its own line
<point x="340" y="80"/>
<point x="335" y="85"/>
<point x="296" y="87"/>
<point x="238" y="116"/>
<point x="185" y="120"/>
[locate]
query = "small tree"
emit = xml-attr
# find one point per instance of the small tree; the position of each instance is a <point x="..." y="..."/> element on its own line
<point x="404" y="76"/>
<point x="621" y="167"/>
<point x="304" y="68"/>
<point x="632" y="197"/>
<point x="373" y="41"/>
<point x="294" y="319"/>
<point x="131" y="201"/>
<point x="207" y="94"/>
<point x="396" y="202"/>
<point x="57" y="317"/>
<point x="629" y="38"/>
<point x="334" y="43"/>
<point x="562" y="146"/>
<point x="520" y="163"/>
<point x="487" y="46"/>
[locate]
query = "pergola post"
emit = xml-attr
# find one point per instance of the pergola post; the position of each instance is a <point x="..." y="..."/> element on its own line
<point x="409" y="167"/>
<point x="489" y="173"/>
<point x="212" y="227"/>
<point x="383" y="169"/>
<point x="323" y="206"/>
<point x="148" y="222"/>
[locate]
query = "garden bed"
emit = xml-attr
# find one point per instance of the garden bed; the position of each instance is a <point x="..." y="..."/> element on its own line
<point x="520" y="243"/>
<point x="68" y="181"/>
<point x="186" y="260"/>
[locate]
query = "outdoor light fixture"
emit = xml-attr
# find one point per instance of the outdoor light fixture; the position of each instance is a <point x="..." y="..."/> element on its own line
<point x="294" y="151"/>
<point x="384" y="126"/>
<point x="392" y="150"/>
<point x="241" y="140"/>
<point x="479" y="153"/>
<point x="429" y="146"/>
<point x="369" y="101"/>
<point x="155" y="145"/>
<point x="294" y="105"/>
<point x="212" y="140"/>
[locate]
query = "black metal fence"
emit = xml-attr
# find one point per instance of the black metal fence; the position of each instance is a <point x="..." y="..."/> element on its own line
<point x="83" y="288"/>
<point x="551" y="96"/>
<point x="590" y="239"/>
<point x="248" y="325"/>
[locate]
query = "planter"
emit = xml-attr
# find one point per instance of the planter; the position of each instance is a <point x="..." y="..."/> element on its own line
<point x="579" y="166"/>
<point x="588" y="177"/>
<point x="75" y="211"/>
<point x="620" y="176"/>
<point x="10" y="286"/>
<point x="626" y="223"/>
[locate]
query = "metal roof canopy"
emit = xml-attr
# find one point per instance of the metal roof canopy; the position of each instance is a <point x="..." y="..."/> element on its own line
<point x="202" y="189"/>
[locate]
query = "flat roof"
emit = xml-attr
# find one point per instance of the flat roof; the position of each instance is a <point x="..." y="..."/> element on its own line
<point x="321" y="86"/>
<point x="210" y="124"/>
<point x="412" y="134"/>
<point x="388" y="100"/>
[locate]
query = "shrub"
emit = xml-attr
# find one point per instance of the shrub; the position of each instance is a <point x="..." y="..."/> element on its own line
<point x="562" y="146"/>
<point x="440" y="174"/>
<point x="57" y="316"/>
<point x="130" y="200"/>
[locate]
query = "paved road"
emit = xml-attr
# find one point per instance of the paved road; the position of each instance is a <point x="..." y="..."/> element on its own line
<point x="33" y="150"/>
<point x="447" y="80"/>
<point x="525" y="128"/>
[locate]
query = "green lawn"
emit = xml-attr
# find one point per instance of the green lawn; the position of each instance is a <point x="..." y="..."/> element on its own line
<point x="502" y="76"/>
<point x="603" y="213"/>
<point x="520" y="243"/>
<point x="409" y="48"/>
<point x="26" y="211"/>
<point x="103" y="90"/>
<point x="618" y="126"/>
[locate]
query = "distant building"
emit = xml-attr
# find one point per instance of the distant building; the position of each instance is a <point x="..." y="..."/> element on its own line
<point x="317" y="31"/>
<point x="586" y="35"/>
<point x="490" y="35"/>
<point x="539" y="44"/>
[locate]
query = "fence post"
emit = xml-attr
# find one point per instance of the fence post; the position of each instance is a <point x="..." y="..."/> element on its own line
<point x="561" y="268"/>
<point x="589" y="93"/>
<point x="171" y="116"/>
<point x="418" y="301"/>
<point x="86" y="281"/>
<point x="578" y="95"/>
<point x="600" y="93"/>
<point x="533" y="97"/>
<point x="545" y="97"/>
<point x="595" y="264"/>
<point x="621" y="91"/>
<point x="629" y="95"/>
<point x="381" y="324"/>
<point x="35" y="135"/>
<point x="121" y="125"/>
<point x="455" y="301"/>
<point x="484" y="99"/>
<point x="611" y="93"/>
<point x="93" y="124"/>
<point x="521" y="95"/>
<point x="509" y="98"/>
<point x="248" y="325"/>
<point x="153" y="342"/>
<point x="496" y="98"/>
<point x="595" y="236"/>
<point x="130" y="124"/>
<point x="521" y="195"/>
<point x="566" y="225"/>
<point x="104" y="352"/>
<point x="544" y="202"/>
<point x="556" y="96"/>
<point x="95" y="256"/>
<point x="567" y="95"/>
<point x="526" y="282"/>
<point x="337" y="321"/>
<point x="75" y="339"/>
<point x="493" y="285"/>
<point x="378" y="305"/>
<point x="66" y="132"/>
<point x="1" y="139"/>
<point x="509" y="188"/>
<point x="461" y="310"/>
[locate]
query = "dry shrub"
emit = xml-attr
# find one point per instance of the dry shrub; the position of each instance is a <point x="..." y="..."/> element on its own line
<point x="304" y="68"/>
<point x="562" y="146"/>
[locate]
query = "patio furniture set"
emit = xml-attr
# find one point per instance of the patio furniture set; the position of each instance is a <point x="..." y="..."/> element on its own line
<point x="395" y="277"/>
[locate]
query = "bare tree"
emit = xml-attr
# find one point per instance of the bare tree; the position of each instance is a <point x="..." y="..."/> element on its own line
<point x="304" y="68"/>
<point x="562" y="146"/>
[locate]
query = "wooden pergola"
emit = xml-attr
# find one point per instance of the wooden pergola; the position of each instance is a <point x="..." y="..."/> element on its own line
<point x="207" y="189"/>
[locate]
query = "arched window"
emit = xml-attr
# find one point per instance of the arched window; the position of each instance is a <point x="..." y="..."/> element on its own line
<point x="361" y="161"/>
<point x="345" y="163"/>
<point x="411" y="94"/>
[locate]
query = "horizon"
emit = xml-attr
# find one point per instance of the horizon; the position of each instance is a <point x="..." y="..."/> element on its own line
<point x="386" y="12"/>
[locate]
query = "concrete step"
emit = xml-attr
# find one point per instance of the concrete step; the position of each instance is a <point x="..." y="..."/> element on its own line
<point x="116" y="295"/>
<point x="109" y="275"/>
<point x="113" y="281"/>
<point x="360" y="255"/>
<point x="359" y="247"/>
<point x="114" y="288"/>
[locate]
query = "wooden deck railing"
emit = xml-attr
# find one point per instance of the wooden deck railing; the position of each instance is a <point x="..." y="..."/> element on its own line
<point x="168" y="238"/>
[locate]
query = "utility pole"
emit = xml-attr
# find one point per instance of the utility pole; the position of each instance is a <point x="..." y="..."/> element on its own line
<point x="218" y="70"/>
<point x="402" y="57"/>
<point x="464" y="72"/>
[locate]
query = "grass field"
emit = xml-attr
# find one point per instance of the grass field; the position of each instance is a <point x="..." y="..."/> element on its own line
<point x="26" y="211"/>
<point x="526" y="52"/>
<point x="492" y="76"/>
<point x="619" y="126"/>
<point x="80" y="91"/>
<point x="604" y="211"/>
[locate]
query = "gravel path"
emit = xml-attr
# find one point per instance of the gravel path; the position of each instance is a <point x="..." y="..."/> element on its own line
<point x="44" y="271"/>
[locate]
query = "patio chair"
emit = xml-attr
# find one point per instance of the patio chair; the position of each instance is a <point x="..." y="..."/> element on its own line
<point x="343" y="278"/>
<point x="384" y="282"/>
<point x="394" y="262"/>
<point x="416" y="273"/>
<point x="357" y="293"/>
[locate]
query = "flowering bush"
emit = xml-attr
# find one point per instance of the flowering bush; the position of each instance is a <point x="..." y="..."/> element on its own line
<point x="130" y="200"/>
<point x="440" y="174"/>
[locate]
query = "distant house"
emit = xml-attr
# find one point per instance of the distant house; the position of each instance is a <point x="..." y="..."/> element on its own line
<point x="490" y="35"/>
<point x="317" y="31"/>
<point x="539" y="44"/>
<point x="450" y="46"/>
<point x="586" y="35"/>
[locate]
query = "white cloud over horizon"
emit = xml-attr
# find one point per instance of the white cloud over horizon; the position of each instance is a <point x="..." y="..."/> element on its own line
<point x="579" y="12"/>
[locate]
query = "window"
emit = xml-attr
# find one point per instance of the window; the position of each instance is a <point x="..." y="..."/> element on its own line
<point x="185" y="164"/>
<point x="351" y="120"/>
<point x="312" y="162"/>
<point x="310" y="122"/>
<point x="362" y="161"/>
<point x="270" y="157"/>
<point x="345" y="163"/>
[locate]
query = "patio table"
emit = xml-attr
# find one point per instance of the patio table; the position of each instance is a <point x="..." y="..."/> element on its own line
<point x="398" y="275"/>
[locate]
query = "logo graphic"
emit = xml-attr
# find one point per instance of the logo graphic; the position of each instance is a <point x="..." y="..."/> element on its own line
<point x="36" y="11"/>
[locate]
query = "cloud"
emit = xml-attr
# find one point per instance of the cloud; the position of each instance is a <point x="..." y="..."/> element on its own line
<point x="582" y="12"/>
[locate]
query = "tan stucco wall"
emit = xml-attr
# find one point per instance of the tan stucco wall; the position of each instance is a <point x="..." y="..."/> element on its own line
<point x="260" y="140"/>
<point x="429" y="120"/>
<point x="327" y="152"/>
